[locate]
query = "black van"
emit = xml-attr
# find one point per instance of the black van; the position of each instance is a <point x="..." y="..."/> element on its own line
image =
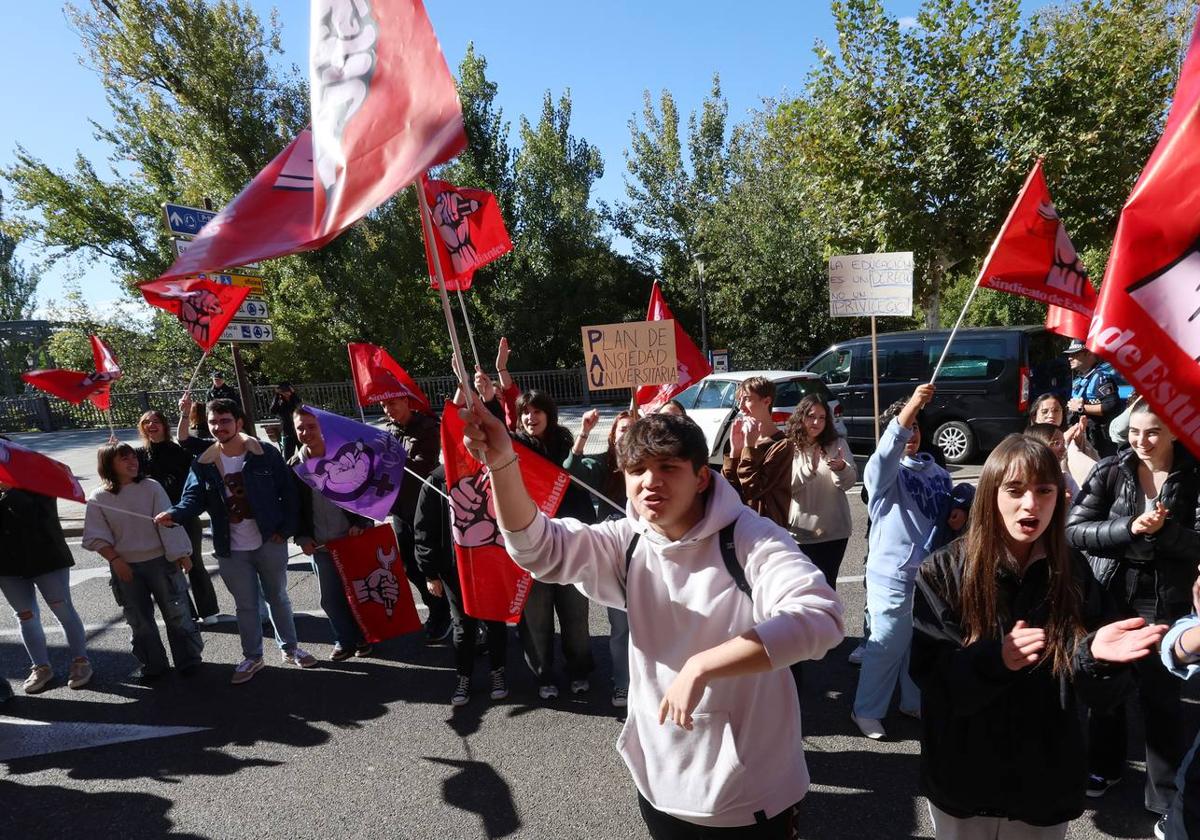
<point x="983" y="389"/>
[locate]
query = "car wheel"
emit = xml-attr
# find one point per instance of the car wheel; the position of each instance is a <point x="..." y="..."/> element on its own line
<point x="956" y="440"/>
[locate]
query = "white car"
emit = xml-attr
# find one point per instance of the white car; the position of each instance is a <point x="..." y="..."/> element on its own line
<point x="711" y="403"/>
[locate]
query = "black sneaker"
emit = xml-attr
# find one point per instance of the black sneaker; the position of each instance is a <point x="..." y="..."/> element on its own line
<point x="1097" y="786"/>
<point x="437" y="629"/>
<point x="462" y="692"/>
<point x="1160" y="827"/>
<point x="341" y="654"/>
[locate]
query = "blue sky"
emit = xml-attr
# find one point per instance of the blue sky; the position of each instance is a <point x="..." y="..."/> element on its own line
<point x="606" y="53"/>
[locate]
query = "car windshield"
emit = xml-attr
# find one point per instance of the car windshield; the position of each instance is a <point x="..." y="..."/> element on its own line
<point x="716" y="393"/>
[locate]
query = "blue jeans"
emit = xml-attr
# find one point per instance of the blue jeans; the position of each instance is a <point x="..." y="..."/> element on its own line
<point x="158" y="581"/>
<point x="618" y="647"/>
<point x="333" y="601"/>
<point x="243" y="573"/>
<point x="56" y="590"/>
<point x="885" y="659"/>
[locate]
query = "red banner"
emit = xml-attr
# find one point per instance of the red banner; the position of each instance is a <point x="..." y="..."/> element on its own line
<point x="28" y="470"/>
<point x="1067" y="322"/>
<point x="385" y="108"/>
<point x="1147" y="321"/>
<point x="373" y="576"/>
<point x="75" y="386"/>
<point x="494" y="587"/>
<point x="1033" y="256"/>
<point x="203" y="307"/>
<point x="470" y="232"/>
<point x="693" y="366"/>
<point x="378" y="377"/>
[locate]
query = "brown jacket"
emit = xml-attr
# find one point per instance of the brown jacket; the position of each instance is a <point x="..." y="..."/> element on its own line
<point x="762" y="475"/>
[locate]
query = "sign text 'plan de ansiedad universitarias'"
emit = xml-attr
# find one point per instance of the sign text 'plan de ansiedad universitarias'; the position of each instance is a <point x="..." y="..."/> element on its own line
<point x="630" y="355"/>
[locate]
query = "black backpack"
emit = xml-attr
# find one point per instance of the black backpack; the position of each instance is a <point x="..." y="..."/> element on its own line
<point x="728" y="556"/>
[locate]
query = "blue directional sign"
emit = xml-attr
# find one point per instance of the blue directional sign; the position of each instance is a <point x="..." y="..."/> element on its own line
<point x="186" y="221"/>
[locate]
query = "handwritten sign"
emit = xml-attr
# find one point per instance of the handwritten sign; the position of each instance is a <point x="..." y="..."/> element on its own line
<point x="630" y="355"/>
<point x="870" y="284"/>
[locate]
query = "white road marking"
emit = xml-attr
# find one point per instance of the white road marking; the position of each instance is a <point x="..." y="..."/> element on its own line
<point x="35" y="737"/>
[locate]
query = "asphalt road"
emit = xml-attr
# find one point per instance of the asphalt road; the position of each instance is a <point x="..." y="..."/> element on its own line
<point x="372" y="748"/>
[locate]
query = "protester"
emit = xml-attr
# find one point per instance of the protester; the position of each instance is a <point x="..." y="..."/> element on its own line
<point x="508" y="392"/>
<point x="1010" y="626"/>
<point x="1136" y="518"/>
<point x="420" y="435"/>
<point x="800" y="482"/>
<point x="251" y="499"/>
<point x="1048" y="408"/>
<point x="539" y="429"/>
<point x="1093" y="395"/>
<point x="192" y="430"/>
<point x="672" y="407"/>
<point x="1052" y="437"/>
<point x="221" y="390"/>
<point x="35" y="558"/>
<point x="435" y="554"/>
<point x="1180" y="653"/>
<point x="904" y="486"/>
<point x="169" y="464"/>
<point x="147" y="561"/>
<point x="603" y="474"/>
<point x="709" y="664"/>
<point x="319" y="521"/>
<point x="283" y="404"/>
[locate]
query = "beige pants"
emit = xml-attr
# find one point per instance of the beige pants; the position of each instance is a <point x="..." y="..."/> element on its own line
<point x="946" y="827"/>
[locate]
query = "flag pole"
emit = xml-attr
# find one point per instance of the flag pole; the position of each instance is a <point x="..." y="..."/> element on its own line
<point x="354" y="381"/>
<point x="954" y="331"/>
<point x="427" y="229"/>
<point x="467" y="320"/>
<point x="196" y="372"/>
<point x="112" y="430"/>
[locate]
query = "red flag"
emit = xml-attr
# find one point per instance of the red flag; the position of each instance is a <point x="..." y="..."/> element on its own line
<point x="494" y="587"/>
<point x="693" y="366"/>
<point x="470" y="232"/>
<point x="28" y="470"/>
<point x="385" y="109"/>
<point x="1067" y="322"/>
<point x="373" y="576"/>
<point x="1033" y="256"/>
<point x="1147" y="321"/>
<point x="75" y="386"/>
<point x="203" y="307"/>
<point x="377" y="377"/>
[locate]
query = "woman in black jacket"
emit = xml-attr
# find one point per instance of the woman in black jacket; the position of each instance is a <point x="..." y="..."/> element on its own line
<point x="1009" y="628"/>
<point x="1136" y="520"/>
<point x="286" y="401"/>
<point x="168" y="463"/>
<point x="538" y="428"/>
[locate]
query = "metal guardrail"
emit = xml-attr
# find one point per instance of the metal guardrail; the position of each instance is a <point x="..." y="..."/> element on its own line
<point x="36" y="412"/>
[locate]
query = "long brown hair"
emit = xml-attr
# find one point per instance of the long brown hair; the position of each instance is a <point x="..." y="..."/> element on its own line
<point x="798" y="434"/>
<point x="985" y="552"/>
<point x="614" y="478"/>
<point x="152" y="414"/>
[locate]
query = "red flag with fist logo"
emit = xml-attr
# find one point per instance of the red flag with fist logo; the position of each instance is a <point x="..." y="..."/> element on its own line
<point x="373" y="577"/>
<point x="378" y="377"/>
<point x="203" y="307"/>
<point x="75" y="386"/>
<point x="468" y="232"/>
<point x="494" y="588"/>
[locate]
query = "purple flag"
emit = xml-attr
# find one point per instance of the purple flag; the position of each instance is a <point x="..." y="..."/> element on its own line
<point x="361" y="469"/>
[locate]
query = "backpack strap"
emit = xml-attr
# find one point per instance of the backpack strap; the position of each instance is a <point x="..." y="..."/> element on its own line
<point x="729" y="557"/>
<point x="629" y="554"/>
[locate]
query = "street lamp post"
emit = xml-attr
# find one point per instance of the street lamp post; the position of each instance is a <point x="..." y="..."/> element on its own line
<point x="700" y="258"/>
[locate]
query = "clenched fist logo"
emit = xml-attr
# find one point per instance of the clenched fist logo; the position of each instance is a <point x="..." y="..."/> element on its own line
<point x="196" y="311"/>
<point x="1067" y="274"/>
<point x="380" y="586"/>
<point x="473" y="514"/>
<point x="450" y="213"/>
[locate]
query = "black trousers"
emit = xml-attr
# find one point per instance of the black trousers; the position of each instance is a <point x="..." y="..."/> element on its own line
<point x="665" y="827"/>
<point x="827" y="556"/>
<point x="465" y="629"/>
<point x="1158" y="696"/>
<point x="537" y="631"/>
<point x="439" y="609"/>
<point x="204" y="597"/>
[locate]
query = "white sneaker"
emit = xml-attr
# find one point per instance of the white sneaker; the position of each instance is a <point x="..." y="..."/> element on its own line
<point x="856" y="655"/>
<point x="299" y="656"/>
<point x="39" y="677"/>
<point x="869" y="727"/>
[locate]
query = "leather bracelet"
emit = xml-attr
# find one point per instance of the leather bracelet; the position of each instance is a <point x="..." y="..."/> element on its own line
<point x="507" y="463"/>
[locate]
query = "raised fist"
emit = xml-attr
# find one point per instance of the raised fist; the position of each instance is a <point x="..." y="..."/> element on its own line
<point x="380" y="587"/>
<point x="450" y="215"/>
<point x="472" y="513"/>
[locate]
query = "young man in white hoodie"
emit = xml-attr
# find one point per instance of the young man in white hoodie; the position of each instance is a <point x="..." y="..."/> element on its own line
<point x="712" y="738"/>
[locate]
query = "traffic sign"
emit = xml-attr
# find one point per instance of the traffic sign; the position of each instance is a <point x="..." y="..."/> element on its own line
<point x="252" y="309"/>
<point x="184" y="220"/>
<point x="254" y="284"/>
<point x="253" y="333"/>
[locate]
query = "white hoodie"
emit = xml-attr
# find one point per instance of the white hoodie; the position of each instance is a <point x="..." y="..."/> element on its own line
<point x="744" y="754"/>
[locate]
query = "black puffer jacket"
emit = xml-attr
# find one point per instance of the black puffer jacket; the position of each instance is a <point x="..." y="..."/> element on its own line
<point x="1100" y="521"/>
<point x="168" y="463"/>
<point x="996" y="742"/>
<point x="31" y="537"/>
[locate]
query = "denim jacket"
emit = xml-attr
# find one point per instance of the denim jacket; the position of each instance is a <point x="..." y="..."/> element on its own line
<point x="269" y="488"/>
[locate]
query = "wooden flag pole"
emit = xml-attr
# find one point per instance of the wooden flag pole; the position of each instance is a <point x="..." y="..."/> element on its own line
<point x="196" y="372"/>
<point x="427" y="229"/>
<point x="362" y="415"/>
<point x="467" y="320"/>
<point x="875" y="376"/>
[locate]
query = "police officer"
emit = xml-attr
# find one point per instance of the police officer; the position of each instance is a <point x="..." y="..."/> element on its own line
<point x="1094" y="395"/>
<point x="221" y="390"/>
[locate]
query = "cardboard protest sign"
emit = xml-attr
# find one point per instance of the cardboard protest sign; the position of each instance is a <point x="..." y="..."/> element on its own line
<point x="630" y="355"/>
<point x="870" y="284"/>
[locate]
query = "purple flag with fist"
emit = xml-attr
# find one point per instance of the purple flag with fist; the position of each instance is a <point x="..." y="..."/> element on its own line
<point x="361" y="469"/>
